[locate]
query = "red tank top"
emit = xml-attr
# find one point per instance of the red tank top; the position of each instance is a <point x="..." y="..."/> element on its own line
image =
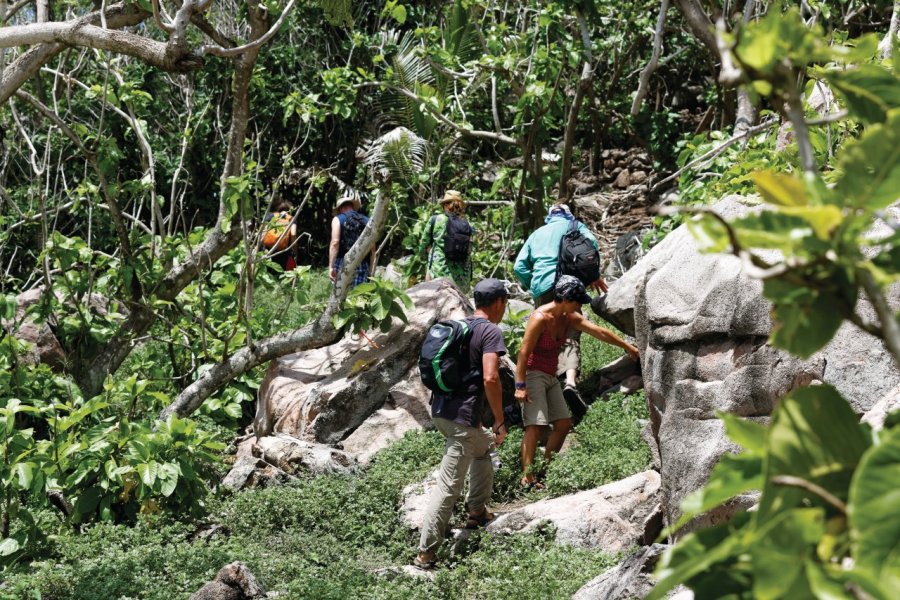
<point x="545" y="356"/>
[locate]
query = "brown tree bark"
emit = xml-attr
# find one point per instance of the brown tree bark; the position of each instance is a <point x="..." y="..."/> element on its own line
<point x="584" y="84"/>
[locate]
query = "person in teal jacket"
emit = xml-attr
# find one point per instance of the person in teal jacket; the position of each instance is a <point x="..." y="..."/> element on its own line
<point x="535" y="269"/>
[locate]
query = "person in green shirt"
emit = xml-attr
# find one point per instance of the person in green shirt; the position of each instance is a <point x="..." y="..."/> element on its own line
<point x="433" y="244"/>
<point x="535" y="268"/>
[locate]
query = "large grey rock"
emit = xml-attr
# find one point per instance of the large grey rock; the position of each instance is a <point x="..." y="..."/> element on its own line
<point x="631" y="578"/>
<point x="405" y="408"/>
<point x="702" y="326"/>
<point x="251" y="472"/>
<point x="612" y="517"/>
<point x="233" y="582"/>
<point x="44" y="347"/>
<point x="324" y="395"/>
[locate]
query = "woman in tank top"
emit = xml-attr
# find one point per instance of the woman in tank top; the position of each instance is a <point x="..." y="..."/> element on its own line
<point x="537" y="386"/>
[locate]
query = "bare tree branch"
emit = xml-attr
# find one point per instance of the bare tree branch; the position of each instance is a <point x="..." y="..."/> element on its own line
<point x="15" y="8"/>
<point x="584" y="83"/>
<point x="710" y="155"/>
<point x="229" y="52"/>
<point x="799" y="482"/>
<point x="698" y="22"/>
<point x="886" y="45"/>
<point x="28" y="64"/>
<point x="644" y="82"/>
<point x="73" y="33"/>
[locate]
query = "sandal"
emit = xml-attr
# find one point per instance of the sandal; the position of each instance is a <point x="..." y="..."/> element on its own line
<point x="425" y="565"/>
<point x="528" y="486"/>
<point x="480" y="520"/>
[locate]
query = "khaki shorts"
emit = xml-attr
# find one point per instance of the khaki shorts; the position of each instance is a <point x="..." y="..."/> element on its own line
<point x="570" y="353"/>
<point x="547" y="403"/>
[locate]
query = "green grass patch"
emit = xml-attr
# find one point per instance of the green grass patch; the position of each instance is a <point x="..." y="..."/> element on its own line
<point x="607" y="446"/>
<point x="319" y="538"/>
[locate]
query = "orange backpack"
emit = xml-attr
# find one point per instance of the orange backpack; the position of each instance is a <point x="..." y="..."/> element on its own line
<point x="276" y="227"/>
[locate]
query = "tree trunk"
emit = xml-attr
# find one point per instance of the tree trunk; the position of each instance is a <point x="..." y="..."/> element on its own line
<point x="886" y="45"/>
<point x="584" y="84"/>
<point x="699" y="23"/>
<point x="746" y="111"/>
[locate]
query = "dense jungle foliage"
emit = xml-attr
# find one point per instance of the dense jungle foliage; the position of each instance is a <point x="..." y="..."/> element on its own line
<point x="136" y="168"/>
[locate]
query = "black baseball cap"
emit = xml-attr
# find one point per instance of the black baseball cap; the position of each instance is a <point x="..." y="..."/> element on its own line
<point x="571" y="288"/>
<point x="488" y="290"/>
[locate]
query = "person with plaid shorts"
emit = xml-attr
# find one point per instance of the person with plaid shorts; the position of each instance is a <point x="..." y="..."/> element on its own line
<point x="346" y="226"/>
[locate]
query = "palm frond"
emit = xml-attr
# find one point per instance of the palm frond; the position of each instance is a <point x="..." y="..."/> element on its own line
<point x="399" y="154"/>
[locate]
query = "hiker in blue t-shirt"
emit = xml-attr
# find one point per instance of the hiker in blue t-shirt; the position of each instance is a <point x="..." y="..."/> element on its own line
<point x="457" y="415"/>
<point x="346" y="226"/>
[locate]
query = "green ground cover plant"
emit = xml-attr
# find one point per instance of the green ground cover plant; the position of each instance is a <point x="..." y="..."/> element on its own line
<point x="321" y="537"/>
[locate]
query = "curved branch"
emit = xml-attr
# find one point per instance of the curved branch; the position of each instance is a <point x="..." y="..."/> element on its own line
<point x="230" y="52"/>
<point x="79" y="34"/>
<point x="644" y="82"/>
<point x="12" y="10"/>
<point x="159" y="13"/>
<point x="803" y="484"/>
<point x="28" y="64"/>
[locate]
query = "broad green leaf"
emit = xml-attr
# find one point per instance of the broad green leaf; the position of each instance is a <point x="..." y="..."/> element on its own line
<point x="874" y="510"/>
<point x="87" y="501"/>
<point x="804" y="327"/>
<point x="868" y="91"/>
<point x="744" y="432"/>
<point x="758" y="46"/>
<point x="821" y="585"/>
<point x="399" y="14"/>
<point x="780" y="189"/>
<point x="823" y="219"/>
<point x="816" y="436"/>
<point x="773" y="230"/>
<point x="780" y="551"/>
<point x="8" y="546"/>
<point x="234" y="410"/>
<point x="148" y="472"/>
<point x="23" y="475"/>
<point x="733" y="475"/>
<point x="870" y="166"/>
<point x="697" y="553"/>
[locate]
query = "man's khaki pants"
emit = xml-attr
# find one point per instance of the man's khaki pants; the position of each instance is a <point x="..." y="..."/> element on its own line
<point x="467" y="450"/>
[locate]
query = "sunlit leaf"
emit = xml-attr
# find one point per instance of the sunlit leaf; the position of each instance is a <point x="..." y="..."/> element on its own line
<point x="874" y="523"/>
<point x="870" y="166"/>
<point x="780" y="189"/>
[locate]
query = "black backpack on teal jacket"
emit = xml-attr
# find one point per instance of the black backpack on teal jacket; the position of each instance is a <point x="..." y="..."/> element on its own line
<point x="444" y="358"/>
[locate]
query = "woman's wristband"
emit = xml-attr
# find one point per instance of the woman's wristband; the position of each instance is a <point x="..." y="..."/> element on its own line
<point x="497" y="428"/>
<point x="520" y="385"/>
